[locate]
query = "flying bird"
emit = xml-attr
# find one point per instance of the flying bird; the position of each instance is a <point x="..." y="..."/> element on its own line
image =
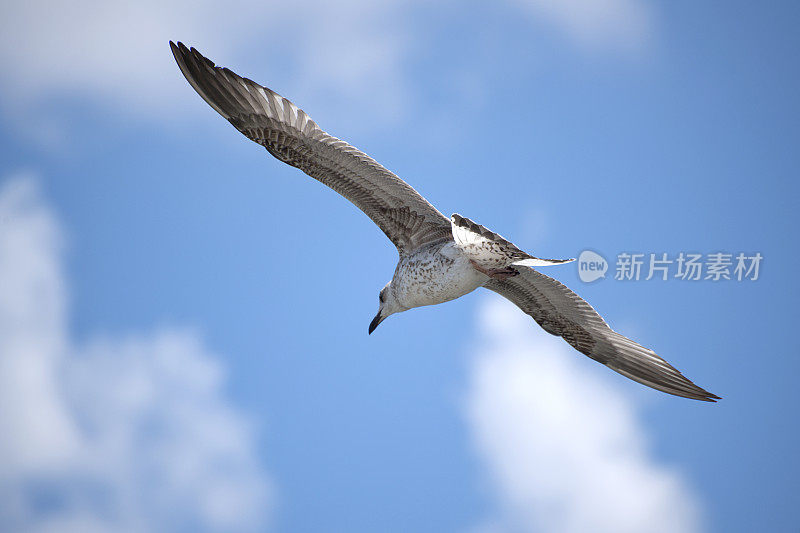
<point x="440" y="259"/>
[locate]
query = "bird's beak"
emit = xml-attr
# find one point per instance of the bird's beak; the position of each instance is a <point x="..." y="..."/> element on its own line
<point x="375" y="321"/>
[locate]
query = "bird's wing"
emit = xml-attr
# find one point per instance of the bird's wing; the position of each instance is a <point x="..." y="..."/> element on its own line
<point x="290" y="135"/>
<point x="563" y="313"/>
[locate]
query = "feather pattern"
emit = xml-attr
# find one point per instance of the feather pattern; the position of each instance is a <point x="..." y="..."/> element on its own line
<point x="489" y="250"/>
<point x="290" y="135"/>
<point x="561" y="312"/>
<point x="439" y="260"/>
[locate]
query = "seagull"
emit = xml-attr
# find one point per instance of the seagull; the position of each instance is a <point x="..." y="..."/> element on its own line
<point x="440" y="259"/>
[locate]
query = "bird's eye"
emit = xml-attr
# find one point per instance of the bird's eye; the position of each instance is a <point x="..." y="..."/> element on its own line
<point x="381" y="297"/>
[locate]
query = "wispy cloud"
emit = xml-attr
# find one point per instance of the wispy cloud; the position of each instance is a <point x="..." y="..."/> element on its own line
<point x="115" y="54"/>
<point x="565" y="451"/>
<point x="119" y="434"/>
<point x="624" y="25"/>
<point x="345" y="56"/>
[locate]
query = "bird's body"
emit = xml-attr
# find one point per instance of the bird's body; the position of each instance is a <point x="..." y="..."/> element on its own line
<point x="434" y="274"/>
<point x="440" y="259"/>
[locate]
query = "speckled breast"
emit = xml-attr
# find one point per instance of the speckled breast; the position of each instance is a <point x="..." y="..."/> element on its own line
<point x="434" y="275"/>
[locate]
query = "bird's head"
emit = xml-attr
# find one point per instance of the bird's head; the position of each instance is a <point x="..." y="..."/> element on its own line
<point x="387" y="306"/>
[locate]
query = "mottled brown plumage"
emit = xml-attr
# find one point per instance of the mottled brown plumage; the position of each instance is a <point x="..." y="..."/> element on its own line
<point x="290" y="135"/>
<point x="440" y="259"/>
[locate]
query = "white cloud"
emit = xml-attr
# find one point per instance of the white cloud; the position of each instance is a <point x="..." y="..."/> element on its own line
<point x="334" y="57"/>
<point x="597" y="24"/>
<point x="129" y="434"/>
<point x="116" y="53"/>
<point x="565" y="451"/>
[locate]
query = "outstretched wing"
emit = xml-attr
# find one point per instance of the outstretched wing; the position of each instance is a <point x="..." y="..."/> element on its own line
<point x="290" y="135"/>
<point x="562" y="312"/>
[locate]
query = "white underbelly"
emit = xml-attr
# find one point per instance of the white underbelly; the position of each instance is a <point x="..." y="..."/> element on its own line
<point x="433" y="278"/>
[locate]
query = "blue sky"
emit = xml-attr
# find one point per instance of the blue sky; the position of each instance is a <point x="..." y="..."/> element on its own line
<point x="184" y="337"/>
